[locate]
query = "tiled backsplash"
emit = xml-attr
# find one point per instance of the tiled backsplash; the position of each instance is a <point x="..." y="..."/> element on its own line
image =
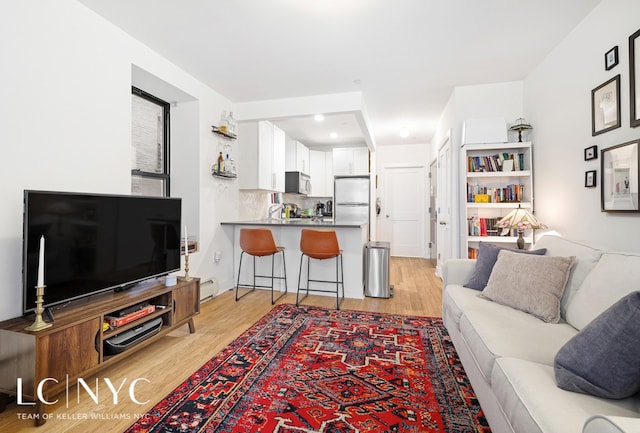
<point x="254" y="204"/>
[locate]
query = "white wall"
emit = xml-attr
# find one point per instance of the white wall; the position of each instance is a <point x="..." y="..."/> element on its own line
<point x="66" y="92"/>
<point x="558" y="105"/>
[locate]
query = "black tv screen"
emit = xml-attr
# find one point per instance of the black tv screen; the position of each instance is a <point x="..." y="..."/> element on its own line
<point x="95" y="243"/>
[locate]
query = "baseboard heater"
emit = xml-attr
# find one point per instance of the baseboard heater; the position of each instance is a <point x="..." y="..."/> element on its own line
<point x="121" y="342"/>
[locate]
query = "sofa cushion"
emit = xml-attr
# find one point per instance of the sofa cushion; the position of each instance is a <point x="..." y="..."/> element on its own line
<point x="614" y="276"/>
<point x="611" y="424"/>
<point x="529" y="283"/>
<point x="487" y="256"/>
<point x="498" y="330"/>
<point x="586" y="258"/>
<point x="458" y="299"/>
<point x="603" y="358"/>
<point x="533" y="403"/>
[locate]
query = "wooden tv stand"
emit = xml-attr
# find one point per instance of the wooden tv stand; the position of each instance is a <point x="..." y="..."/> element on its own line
<point x="74" y="346"/>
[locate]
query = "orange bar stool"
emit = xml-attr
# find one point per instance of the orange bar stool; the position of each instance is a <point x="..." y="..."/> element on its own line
<point x="321" y="245"/>
<point x="259" y="242"/>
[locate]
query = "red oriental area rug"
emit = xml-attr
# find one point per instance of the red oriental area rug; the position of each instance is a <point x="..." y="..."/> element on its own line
<point x="314" y="370"/>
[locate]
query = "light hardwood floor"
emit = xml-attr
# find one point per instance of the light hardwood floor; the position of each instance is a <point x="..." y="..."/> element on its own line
<point x="170" y="360"/>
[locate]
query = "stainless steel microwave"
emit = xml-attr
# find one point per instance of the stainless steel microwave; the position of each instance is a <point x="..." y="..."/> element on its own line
<point x="297" y="182"/>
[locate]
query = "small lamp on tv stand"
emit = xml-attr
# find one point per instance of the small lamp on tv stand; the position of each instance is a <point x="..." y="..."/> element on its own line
<point x="520" y="220"/>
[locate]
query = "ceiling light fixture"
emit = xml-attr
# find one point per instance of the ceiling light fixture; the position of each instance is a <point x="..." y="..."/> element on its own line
<point x="318" y="118"/>
<point x="333" y="135"/>
<point x="404" y="132"/>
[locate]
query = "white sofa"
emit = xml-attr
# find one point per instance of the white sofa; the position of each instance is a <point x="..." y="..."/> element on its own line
<point x="509" y="354"/>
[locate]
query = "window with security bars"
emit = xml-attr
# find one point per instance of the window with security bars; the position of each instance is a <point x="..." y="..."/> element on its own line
<point x="149" y="144"/>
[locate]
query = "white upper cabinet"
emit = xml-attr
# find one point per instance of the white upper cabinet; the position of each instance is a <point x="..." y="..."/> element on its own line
<point x="321" y="173"/>
<point x="262" y="156"/>
<point x="350" y="161"/>
<point x="297" y="157"/>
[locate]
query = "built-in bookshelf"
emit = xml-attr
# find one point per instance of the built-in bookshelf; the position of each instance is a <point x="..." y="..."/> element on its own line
<point x="497" y="178"/>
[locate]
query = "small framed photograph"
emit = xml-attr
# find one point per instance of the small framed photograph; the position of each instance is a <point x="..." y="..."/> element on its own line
<point x="611" y="58"/>
<point x="590" y="179"/>
<point x="634" y="77"/>
<point x="619" y="168"/>
<point x="590" y="153"/>
<point x="605" y="106"/>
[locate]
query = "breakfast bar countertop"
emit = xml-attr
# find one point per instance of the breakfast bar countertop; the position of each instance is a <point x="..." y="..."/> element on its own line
<point x="296" y="222"/>
<point x="352" y="237"/>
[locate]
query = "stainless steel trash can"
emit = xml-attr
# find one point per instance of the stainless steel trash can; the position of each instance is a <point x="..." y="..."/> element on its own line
<point x="376" y="268"/>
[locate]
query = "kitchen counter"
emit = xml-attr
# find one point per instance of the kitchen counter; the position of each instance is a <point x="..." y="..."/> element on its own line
<point x="325" y="222"/>
<point x="352" y="237"/>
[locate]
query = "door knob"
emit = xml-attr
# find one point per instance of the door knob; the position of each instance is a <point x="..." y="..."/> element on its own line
<point x="443" y="223"/>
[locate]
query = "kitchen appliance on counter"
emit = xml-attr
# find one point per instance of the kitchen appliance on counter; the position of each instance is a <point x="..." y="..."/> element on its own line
<point x="294" y="210"/>
<point x="328" y="208"/>
<point x="297" y="182"/>
<point x="351" y="196"/>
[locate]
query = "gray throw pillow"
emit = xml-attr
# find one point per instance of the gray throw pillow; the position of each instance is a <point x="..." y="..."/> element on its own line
<point x="533" y="284"/>
<point x="487" y="256"/>
<point x="603" y="359"/>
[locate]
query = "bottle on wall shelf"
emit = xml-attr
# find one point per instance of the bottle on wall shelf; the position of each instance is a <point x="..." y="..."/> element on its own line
<point x="220" y="164"/>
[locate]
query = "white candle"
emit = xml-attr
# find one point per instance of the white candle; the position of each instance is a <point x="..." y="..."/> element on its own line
<point x="41" y="264"/>
<point x="186" y="243"/>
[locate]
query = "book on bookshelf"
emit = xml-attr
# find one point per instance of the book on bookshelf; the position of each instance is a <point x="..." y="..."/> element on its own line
<point x="494" y="163"/>
<point x="483" y="227"/>
<point x="511" y="193"/>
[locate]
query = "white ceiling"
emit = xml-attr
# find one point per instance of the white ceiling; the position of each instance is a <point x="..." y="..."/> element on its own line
<point x="405" y="56"/>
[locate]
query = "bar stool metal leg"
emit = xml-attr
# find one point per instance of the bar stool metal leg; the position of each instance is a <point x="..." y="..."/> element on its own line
<point x="238" y="282"/>
<point x="284" y="266"/>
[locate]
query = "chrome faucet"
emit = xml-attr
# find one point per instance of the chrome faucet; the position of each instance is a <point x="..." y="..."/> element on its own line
<point x="273" y="210"/>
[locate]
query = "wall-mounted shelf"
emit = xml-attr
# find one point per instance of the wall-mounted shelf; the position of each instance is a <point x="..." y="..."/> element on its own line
<point x="225" y="134"/>
<point x="224" y="175"/>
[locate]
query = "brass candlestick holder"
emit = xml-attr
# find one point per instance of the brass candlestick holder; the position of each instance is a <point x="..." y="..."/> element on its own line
<point x="39" y="323"/>
<point x="186" y="268"/>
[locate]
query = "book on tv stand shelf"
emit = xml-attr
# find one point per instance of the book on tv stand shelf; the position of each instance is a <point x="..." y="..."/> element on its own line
<point x="117" y="321"/>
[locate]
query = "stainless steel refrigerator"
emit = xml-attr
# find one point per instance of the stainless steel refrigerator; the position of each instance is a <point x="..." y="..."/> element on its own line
<point x="351" y="199"/>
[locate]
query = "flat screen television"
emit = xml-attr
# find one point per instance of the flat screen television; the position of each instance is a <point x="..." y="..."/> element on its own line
<point x="96" y="242"/>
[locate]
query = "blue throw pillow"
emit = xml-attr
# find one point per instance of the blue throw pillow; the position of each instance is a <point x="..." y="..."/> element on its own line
<point x="603" y="359"/>
<point x="487" y="256"/>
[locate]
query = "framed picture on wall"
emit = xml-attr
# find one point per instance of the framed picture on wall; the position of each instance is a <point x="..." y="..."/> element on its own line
<point x="590" y="179"/>
<point x="619" y="179"/>
<point x="590" y="153"/>
<point x="634" y="77"/>
<point x="605" y="106"/>
<point x="611" y="58"/>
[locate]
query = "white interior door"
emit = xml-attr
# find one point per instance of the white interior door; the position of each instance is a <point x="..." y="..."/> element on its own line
<point x="444" y="191"/>
<point x="402" y="210"/>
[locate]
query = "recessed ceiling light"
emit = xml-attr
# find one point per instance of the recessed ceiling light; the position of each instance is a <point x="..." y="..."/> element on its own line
<point x="318" y="118"/>
<point x="333" y="135"/>
<point x="404" y="132"/>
